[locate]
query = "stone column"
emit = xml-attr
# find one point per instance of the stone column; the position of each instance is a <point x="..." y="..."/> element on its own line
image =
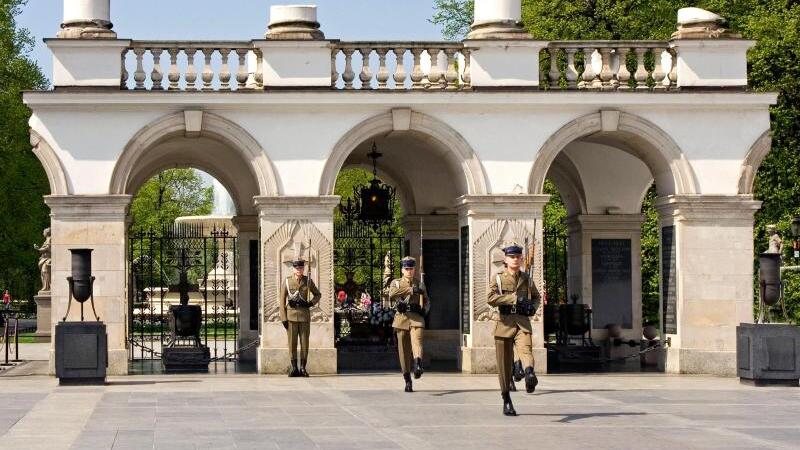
<point x="713" y="288"/>
<point x="498" y="19"/>
<point x="87" y="19"/>
<point x="493" y="219"/>
<point x="247" y="227"/>
<point x="582" y="230"/>
<point x="287" y="224"/>
<point x="97" y="222"/>
<point x="293" y="22"/>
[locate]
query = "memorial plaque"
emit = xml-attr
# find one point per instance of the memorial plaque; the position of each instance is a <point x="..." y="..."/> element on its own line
<point x="669" y="298"/>
<point x="465" y="309"/>
<point x="441" y="278"/>
<point x="612" y="298"/>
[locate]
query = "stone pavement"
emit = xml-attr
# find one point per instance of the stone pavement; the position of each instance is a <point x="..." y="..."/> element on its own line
<point x="370" y="411"/>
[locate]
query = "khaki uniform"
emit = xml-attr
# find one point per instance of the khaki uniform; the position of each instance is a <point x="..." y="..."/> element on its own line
<point x="409" y="326"/>
<point x="299" y="319"/>
<point x="512" y="333"/>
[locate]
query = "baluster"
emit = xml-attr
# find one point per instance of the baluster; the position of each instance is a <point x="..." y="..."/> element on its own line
<point x="606" y="74"/>
<point x="555" y="73"/>
<point x="641" y="73"/>
<point x="588" y="70"/>
<point x="349" y="74"/>
<point x="400" y="73"/>
<point x="451" y="77"/>
<point x="139" y="76"/>
<point x="623" y="75"/>
<point x="417" y="75"/>
<point x="435" y="74"/>
<point x="225" y="71"/>
<point x="571" y="72"/>
<point x="191" y="71"/>
<point x="156" y="76"/>
<point x="658" y="70"/>
<point x="467" y="77"/>
<point x="259" y="69"/>
<point x="673" y="73"/>
<point x="123" y="81"/>
<point x="334" y="72"/>
<point x="174" y="76"/>
<point x="366" y="74"/>
<point x="208" y="74"/>
<point x="383" y="71"/>
<point x="241" y="74"/>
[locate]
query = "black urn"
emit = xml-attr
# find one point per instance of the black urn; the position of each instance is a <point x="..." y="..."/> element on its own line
<point x="574" y="318"/>
<point x="81" y="274"/>
<point x="770" y="277"/>
<point x="187" y="320"/>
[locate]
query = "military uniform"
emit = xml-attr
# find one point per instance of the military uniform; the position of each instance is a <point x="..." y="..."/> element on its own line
<point x="295" y="305"/>
<point x="411" y="303"/>
<point x="512" y="330"/>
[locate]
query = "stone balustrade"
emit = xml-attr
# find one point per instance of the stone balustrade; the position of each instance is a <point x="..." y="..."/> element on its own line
<point x="191" y="66"/>
<point x="432" y="66"/>
<point x="615" y="66"/>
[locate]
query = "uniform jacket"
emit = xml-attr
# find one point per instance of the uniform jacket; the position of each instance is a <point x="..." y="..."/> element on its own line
<point x="401" y="289"/>
<point x="301" y="289"/>
<point x="511" y="286"/>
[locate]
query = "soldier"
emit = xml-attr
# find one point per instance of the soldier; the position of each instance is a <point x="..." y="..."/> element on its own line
<point x="412" y="304"/>
<point x="295" y="308"/>
<point x="516" y="299"/>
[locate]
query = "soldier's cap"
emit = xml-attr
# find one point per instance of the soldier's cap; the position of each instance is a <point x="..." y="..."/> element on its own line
<point x="512" y="248"/>
<point x="298" y="263"/>
<point x="408" y="262"/>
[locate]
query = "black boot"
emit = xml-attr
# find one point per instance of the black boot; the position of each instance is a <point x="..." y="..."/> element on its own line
<point x="303" y="372"/>
<point x="418" y="368"/>
<point x="407" y="377"/>
<point x="294" y="372"/>
<point x="519" y="374"/>
<point x="512" y="387"/>
<point x="508" y="407"/>
<point x="530" y="380"/>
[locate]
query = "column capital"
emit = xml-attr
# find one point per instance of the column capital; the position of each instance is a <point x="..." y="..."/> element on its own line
<point x="88" y="207"/>
<point x="299" y="207"/>
<point x="511" y="206"/>
<point x="246" y="224"/>
<point x="708" y="208"/>
<point x="605" y="222"/>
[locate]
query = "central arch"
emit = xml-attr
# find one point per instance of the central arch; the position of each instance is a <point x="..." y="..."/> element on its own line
<point x="425" y="126"/>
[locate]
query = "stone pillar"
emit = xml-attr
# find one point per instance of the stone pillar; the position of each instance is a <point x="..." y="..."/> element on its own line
<point x="493" y="219"/>
<point x="713" y="282"/>
<point x="583" y="229"/>
<point x="498" y="19"/>
<point x="87" y="19"/>
<point x="293" y="22"/>
<point x="247" y="227"/>
<point x="288" y="223"/>
<point x="43" y="316"/>
<point x="97" y="222"/>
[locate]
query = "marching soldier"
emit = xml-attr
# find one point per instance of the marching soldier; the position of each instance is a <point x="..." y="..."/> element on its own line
<point x="295" y="306"/>
<point x="516" y="299"/>
<point x="412" y="304"/>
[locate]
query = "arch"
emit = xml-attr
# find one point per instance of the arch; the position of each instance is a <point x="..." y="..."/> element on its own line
<point x="567" y="180"/>
<point x="651" y="144"/>
<point x="426" y="125"/>
<point x="56" y="176"/>
<point x="213" y="127"/>
<point x="752" y="161"/>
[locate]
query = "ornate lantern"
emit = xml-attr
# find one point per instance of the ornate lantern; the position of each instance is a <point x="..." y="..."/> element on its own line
<point x="374" y="203"/>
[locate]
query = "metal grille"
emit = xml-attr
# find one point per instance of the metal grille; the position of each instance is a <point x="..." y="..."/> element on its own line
<point x="555" y="265"/>
<point x="183" y="260"/>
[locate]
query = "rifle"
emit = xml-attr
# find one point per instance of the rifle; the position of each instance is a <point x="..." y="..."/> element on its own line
<point x="421" y="267"/>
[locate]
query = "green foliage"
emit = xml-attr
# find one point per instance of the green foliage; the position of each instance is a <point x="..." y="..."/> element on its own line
<point x="651" y="248"/>
<point x="168" y="195"/>
<point x="23" y="214"/>
<point x="455" y="17"/>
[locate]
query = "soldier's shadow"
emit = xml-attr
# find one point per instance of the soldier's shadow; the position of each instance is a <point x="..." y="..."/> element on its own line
<point x="522" y="390"/>
<point x="569" y="418"/>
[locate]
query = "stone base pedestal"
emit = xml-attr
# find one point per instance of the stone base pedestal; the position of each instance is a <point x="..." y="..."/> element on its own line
<point x="697" y="361"/>
<point x="186" y="359"/>
<point x="321" y="361"/>
<point x="43" y="317"/>
<point x="81" y="352"/>
<point x="768" y="354"/>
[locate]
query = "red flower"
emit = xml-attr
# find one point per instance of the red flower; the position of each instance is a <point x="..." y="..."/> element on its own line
<point x="341" y="296"/>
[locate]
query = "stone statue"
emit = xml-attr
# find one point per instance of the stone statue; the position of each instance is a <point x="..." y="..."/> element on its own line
<point x="45" y="261"/>
<point x="775" y="241"/>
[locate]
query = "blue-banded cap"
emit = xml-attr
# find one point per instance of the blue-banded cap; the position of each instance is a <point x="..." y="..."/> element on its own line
<point x="408" y="262"/>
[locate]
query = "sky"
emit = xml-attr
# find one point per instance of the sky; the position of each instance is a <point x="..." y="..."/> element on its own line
<point x="238" y="20"/>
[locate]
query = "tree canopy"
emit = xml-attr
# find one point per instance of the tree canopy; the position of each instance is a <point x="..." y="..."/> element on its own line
<point x="168" y="195"/>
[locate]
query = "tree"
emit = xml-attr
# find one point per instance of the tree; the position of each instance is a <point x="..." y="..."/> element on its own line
<point x="170" y="194"/>
<point x="23" y="214"/>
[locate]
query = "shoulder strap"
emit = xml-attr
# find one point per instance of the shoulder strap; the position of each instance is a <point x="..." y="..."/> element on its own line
<point x="499" y="285"/>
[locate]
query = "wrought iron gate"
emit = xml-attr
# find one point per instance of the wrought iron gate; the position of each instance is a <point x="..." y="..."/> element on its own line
<point x="555" y="265"/>
<point x="183" y="260"/>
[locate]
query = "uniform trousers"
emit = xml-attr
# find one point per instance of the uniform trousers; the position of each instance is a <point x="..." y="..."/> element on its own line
<point x="409" y="346"/>
<point x="301" y="330"/>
